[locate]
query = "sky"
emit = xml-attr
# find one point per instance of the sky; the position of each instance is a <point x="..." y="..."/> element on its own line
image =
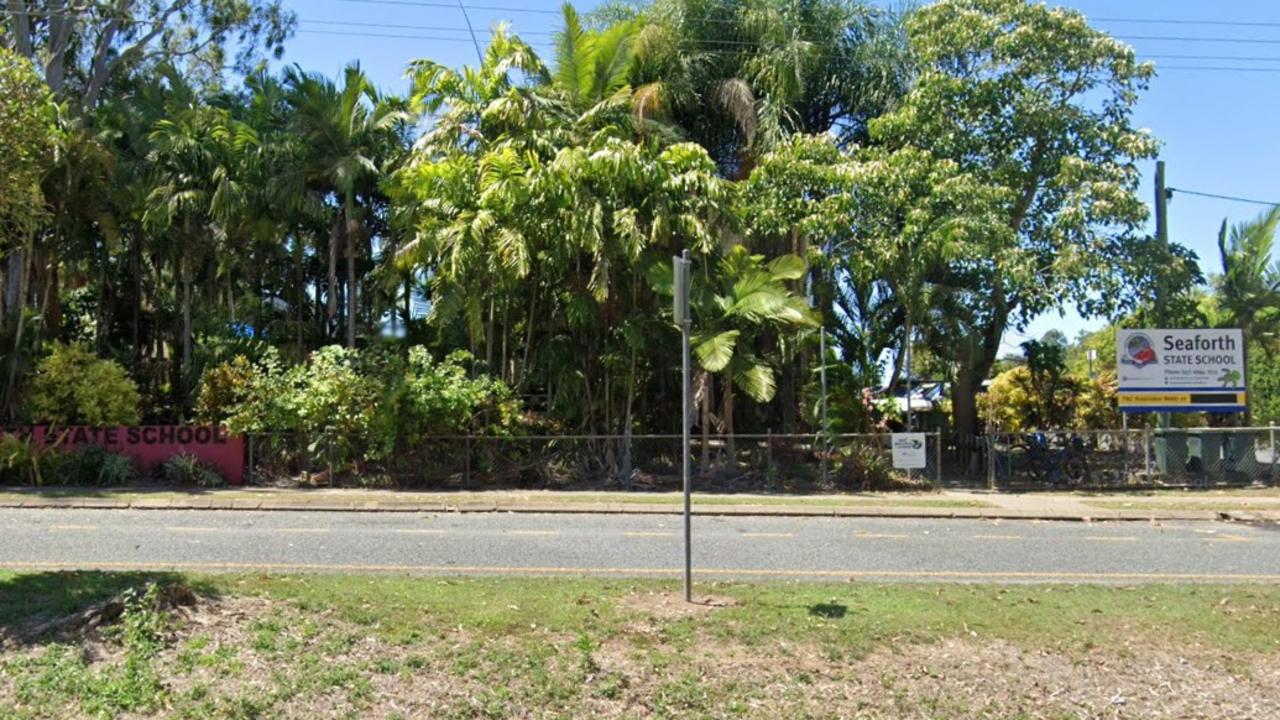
<point x="1213" y="104"/>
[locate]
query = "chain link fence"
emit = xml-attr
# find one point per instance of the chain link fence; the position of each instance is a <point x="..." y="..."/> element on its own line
<point x="1129" y="459"/>
<point x="724" y="463"/>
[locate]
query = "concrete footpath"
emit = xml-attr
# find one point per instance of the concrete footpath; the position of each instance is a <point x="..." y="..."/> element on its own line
<point x="1254" y="505"/>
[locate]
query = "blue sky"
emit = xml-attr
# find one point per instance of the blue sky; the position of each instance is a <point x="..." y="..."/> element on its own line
<point x="1218" y="127"/>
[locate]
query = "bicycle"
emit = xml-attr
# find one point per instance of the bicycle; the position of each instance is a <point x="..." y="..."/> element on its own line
<point x="1066" y="466"/>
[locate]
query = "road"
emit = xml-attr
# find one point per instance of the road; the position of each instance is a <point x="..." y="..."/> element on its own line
<point x="641" y="546"/>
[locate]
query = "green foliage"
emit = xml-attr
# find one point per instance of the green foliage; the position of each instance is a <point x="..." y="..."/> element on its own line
<point x="23" y="461"/>
<point x="93" y="466"/>
<point x="1248" y="291"/>
<point x="1019" y="401"/>
<point x="1029" y="100"/>
<point x="223" y="388"/>
<point x="187" y="470"/>
<point x="73" y="387"/>
<point x="28" y="126"/>
<point x="372" y="400"/>
<point x="864" y="467"/>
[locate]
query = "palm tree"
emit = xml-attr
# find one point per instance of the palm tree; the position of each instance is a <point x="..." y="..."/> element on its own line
<point x="734" y="307"/>
<point x="592" y="65"/>
<point x="1248" y="291"/>
<point x="349" y="132"/>
<point x="197" y="189"/>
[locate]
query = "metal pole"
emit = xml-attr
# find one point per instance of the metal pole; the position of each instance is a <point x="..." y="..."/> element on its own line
<point x="769" y="450"/>
<point x="991" y="461"/>
<point x="1146" y="451"/>
<point x="910" y="473"/>
<point x="937" y="457"/>
<point x="686" y="392"/>
<point x="826" y="429"/>
<point x="1272" y="428"/>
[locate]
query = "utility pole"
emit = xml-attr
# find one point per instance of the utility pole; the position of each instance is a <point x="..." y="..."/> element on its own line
<point x="1164" y="420"/>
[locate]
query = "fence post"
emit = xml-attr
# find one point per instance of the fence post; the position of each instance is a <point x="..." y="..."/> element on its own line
<point x="1272" y="429"/>
<point x="769" y="453"/>
<point x="1146" y="452"/>
<point x="991" y="462"/>
<point x="248" y="476"/>
<point x="937" y="458"/>
<point x="825" y="450"/>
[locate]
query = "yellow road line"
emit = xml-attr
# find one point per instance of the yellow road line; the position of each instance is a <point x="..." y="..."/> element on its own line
<point x="192" y="529"/>
<point x="302" y="530"/>
<point x="768" y="535"/>
<point x="533" y="532"/>
<point x="649" y="534"/>
<point x="997" y="537"/>
<point x="65" y="528"/>
<point x="673" y="572"/>
<point x="882" y="536"/>
<point x="1107" y="538"/>
<point x="421" y="531"/>
<point x="1228" y="538"/>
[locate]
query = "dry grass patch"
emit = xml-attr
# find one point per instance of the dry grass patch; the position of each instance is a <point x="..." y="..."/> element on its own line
<point x="360" y="647"/>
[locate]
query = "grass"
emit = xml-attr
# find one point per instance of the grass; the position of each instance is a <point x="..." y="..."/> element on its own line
<point x="359" y="646"/>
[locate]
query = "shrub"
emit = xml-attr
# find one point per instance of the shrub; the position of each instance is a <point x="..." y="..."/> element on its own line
<point x="74" y="387"/>
<point x="187" y="469"/>
<point x="223" y="388"/>
<point x="21" y="461"/>
<point x="371" y="402"/>
<point x="866" y="468"/>
<point x="93" y="466"/>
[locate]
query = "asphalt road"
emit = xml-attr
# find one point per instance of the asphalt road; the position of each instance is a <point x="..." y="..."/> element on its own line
<point x="640" y="546"/>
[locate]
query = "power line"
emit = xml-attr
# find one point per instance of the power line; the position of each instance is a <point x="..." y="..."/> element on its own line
<point x="1171" y="21"/>
<point x="548" y="45"/>
<point x="401" y="26"/>
<point x="1164" y="38"/>
<point x="544" y="33"/>
<point x="1224" y="197"/>
<point x="1218" y="68"/>
<point x="454" y="6"/>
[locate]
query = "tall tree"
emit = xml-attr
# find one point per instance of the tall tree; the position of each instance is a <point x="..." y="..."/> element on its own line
<point x="85" y="45"/>
<point x="1032" y="100"/>
<point x="198" y="189"/>
<point x="349" y="132"/>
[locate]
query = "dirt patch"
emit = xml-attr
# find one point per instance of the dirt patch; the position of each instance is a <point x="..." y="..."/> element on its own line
<point x="666" y="605"/>
<point x="246" y="656"/>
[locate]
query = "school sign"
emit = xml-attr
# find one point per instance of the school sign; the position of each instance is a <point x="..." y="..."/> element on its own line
<point x="1181" y="370"/>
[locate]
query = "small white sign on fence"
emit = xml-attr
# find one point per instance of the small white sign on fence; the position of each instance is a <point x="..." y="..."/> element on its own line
<point x="909" y="451"/>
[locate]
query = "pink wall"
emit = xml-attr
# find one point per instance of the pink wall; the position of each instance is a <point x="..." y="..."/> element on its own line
<point x="149" y="445"/>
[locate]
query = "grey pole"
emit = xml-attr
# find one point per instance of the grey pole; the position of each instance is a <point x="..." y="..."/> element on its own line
<point x="826" y="428"/>
<point x="686" y="325"/>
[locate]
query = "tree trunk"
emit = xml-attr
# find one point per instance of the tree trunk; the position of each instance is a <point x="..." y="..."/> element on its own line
<point x="186" y="328"/>
<point x="20" y="293"/>
<point x="731" y="445"/>
<point x="135" y="270"/>
<point x="627" y="420"/>
<point x="708" y="389"/>
<point x="351" y="283"/>
<point x="331" y="305"/>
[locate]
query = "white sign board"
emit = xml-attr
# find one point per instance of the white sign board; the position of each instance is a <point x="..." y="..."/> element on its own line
<point x="909" y="451"/>
<point x="1181" y="370"/>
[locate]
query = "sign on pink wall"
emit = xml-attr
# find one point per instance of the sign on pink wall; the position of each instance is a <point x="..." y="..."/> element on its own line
<point x="150" y="445"/>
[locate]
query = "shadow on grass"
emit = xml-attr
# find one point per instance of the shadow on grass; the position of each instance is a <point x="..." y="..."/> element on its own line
<point x="830" y="611"/>
<point x="28" y="599"/>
